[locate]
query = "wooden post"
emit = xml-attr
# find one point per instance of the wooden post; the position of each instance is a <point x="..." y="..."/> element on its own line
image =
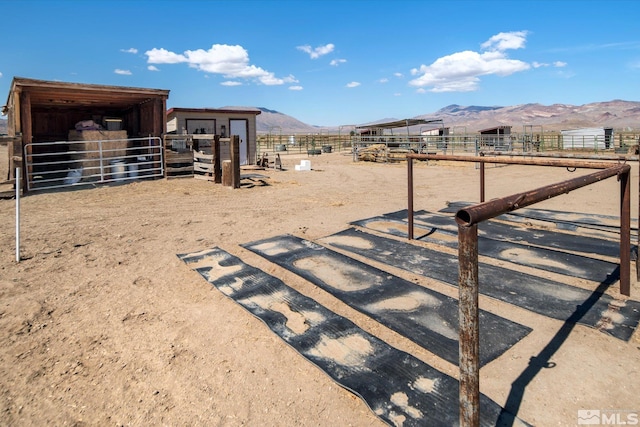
<point x="235" y="161"/>
<point x="217" y="166"/>
<point x="226" y="173"/>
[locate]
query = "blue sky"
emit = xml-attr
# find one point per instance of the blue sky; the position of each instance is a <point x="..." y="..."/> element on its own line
<point x="332" y="62"/>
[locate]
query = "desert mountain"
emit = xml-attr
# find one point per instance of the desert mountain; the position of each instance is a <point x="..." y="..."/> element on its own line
<point x="618" y="114"/>
<point x="276" y="122"/>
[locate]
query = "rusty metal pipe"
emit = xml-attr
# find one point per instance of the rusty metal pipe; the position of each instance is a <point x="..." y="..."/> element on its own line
<point x="410" y="199"/>
<point x="569" y="163"/>
<point x="469" y="342"/>
<point x="483" y="211"/>
<point x="621" y="157"/>
<point x="625" y="234"/>
<point x="482" y="182"/>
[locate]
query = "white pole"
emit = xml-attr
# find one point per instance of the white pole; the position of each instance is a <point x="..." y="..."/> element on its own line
<point x="17" y="214"/>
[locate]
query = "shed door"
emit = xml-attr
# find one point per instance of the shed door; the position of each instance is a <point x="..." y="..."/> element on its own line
<point x="239" y="127"/>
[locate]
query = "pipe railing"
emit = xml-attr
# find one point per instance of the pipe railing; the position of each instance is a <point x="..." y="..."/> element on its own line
<point x="468" y="283"/>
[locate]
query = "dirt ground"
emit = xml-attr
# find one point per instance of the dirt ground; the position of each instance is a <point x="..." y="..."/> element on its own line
<point x="102" y="324"/>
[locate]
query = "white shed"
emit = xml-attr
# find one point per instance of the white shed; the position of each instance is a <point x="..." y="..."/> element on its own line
<point x="590" y="138"/>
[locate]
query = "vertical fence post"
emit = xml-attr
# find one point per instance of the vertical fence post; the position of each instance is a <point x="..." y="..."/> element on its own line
<point x="625" y="234"/>
<point x="482" y="182"/>
<point x="469" y="342"/>
<point x="18" y="172"/>
<point x="410" y="198"/>
<point x="101" y="155"/>
<point x="217" y="165"/>
<point x="235" y="161"/>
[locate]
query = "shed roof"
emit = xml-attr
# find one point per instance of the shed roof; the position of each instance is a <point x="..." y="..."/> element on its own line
<point x="224" y="110"/>
<point x="495" y="128"/>
<point x="45" y="93"/>
<point x="400" y="123"/>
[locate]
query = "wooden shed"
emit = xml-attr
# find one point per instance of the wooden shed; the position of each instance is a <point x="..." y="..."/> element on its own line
<point x="40" y="112"/>
<point x="225" y="122"/>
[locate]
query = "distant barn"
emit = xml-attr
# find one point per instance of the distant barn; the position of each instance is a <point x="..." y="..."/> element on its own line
<point x="496" y="138"/>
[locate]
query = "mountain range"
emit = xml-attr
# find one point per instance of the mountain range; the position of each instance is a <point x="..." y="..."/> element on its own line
<point x="618" y="114"/>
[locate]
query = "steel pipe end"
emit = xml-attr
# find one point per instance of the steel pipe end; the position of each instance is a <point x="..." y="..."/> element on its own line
<point x="463" y="218"/>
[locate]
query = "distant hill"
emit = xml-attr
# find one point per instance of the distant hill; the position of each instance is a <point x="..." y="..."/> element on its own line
<point x="276" y="122"/>
<point x="618" y="114"/>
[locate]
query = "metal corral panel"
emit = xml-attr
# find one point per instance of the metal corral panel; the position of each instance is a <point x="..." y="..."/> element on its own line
<point x="583" y="138"/>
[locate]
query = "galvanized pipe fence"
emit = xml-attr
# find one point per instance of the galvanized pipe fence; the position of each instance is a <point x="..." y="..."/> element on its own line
<point x="304" y="143"/>
<point x="65" y="164"/>
<point x="394" y="146"/>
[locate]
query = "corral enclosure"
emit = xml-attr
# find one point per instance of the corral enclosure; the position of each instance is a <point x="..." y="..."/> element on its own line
<point x="529" y="139"/>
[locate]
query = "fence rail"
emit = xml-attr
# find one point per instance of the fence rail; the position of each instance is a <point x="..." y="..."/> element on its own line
<point x="65" y="164"/>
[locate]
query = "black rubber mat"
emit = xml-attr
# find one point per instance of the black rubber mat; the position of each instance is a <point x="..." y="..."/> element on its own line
<point x="543" y="296"/>
<point x="426" y="317"/>
<point x="399" y="388"/>
<point x="518" y="253"/>
<point x="495" y="230"/>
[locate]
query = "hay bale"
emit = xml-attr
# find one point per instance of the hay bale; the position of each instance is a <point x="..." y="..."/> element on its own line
<point x="373" y="153"/>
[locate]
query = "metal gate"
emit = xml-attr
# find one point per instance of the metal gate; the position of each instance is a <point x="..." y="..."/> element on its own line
<point x="64" y="164"/>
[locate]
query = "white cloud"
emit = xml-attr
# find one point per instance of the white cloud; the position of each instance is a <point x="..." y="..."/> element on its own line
<point x="398" y="75"/>
<point x="337" y="62"/>
<point x="226" y="60"/>
<point x="163" y="56"/>
<point x="231" y="83"/>
<point x="152" y="68"/>
<point x="130" y="50"/>
<point x="504" y="41"/>
<point x="383" y="80"/>
<point x="559" y="64"/>
<point x="353" y="84"/>
<point x="295" y="87"/>
<point x="317" y="52"/>
<point x="460" y="71"/>
<point x="0" y="75"/>
<point x="122" y="72"/>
